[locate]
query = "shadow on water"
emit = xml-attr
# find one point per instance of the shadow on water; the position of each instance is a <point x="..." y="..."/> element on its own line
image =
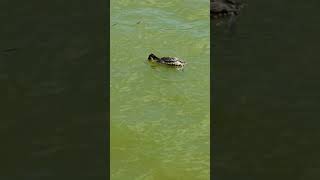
<point x="266" y="93"/>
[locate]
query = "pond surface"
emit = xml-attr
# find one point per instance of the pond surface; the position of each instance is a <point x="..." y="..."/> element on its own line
<point x="160" y="119"/>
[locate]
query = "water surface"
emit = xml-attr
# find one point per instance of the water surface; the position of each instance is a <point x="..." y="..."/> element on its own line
<point x="159" y="116"/>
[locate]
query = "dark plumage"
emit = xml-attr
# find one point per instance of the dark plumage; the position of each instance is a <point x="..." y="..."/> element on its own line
<point x="170" y="61"/>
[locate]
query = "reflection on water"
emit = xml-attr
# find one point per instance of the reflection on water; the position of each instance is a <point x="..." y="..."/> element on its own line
<point x="159" y="116"/>
<point x="266" y="93"/>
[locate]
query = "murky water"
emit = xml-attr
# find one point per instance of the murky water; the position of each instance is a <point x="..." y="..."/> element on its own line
<point x="266" y="71"/>
<point x="160" y="116"/>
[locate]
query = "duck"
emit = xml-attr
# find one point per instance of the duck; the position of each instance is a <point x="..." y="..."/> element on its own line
<point x="170" y="61"/>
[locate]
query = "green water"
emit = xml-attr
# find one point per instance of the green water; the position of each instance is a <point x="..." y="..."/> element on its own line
<point x="160" y="117"/>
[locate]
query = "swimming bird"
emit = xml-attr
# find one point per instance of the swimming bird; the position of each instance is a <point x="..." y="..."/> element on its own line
<point x="170" y="61"/>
